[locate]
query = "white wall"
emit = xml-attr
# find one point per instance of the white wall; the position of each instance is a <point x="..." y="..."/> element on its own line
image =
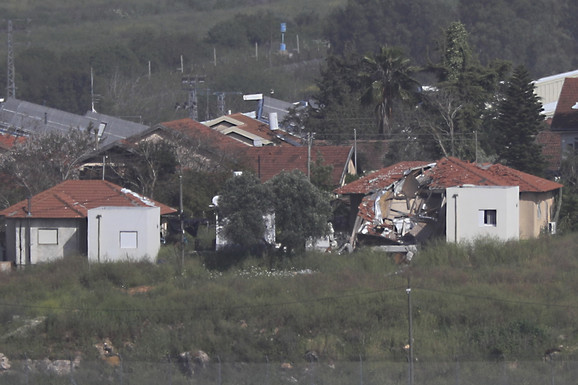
<point x="123" y="233"/>
<point x="50" y="239"/>
<point x="465" y="207"/>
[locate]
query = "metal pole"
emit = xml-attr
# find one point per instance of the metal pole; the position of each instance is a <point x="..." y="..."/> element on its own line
<point x="28" y="240"/>
<point x="309" y="142"/>
<point x="182" y="221"/>
<point x="355" y="148"/>
<point x="409" y="312"/>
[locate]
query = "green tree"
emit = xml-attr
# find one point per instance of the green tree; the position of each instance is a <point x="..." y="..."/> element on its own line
<point x="301" y="210"/>
<point x="337" y="111"/>
<point x="456" y="51"/>
<point x="243" y="205"/>
<point x="387" y="76"/>
<point x="519" y="122"/>
<point x="463" y="102"/>
<point x="569" y="178"/>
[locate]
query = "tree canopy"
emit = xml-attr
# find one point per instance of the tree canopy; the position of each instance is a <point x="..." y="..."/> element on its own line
<point x="387" y="77"/>
<point x="519" y="122"/>
<point x="243" y="205"/>
<point x="301" y="210"/>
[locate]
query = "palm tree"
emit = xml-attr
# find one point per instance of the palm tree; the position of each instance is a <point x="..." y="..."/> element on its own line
<point x="387" y="77"/>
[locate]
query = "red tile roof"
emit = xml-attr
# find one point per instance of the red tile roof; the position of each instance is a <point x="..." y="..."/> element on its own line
<point x="379" y="179"/>
<point x="7" y="141"/>
<point x="271" y="160"/>
<point x="73" y="199"/>
<point x="194" y="129"/>
<point x="450" y="172"/>
<point x="526" y="182"/>
<point x="566" y="114"/>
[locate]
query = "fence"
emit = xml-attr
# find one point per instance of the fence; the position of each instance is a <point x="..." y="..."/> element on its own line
<point x="125" y="372"/>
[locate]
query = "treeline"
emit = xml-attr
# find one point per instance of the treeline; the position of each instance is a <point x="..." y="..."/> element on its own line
<point x="539" y="35"/>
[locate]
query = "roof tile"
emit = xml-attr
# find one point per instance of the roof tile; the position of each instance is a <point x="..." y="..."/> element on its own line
<point x="73" y="199"/>
<point x="272" y="160"/>
<point x="451" y="172"/>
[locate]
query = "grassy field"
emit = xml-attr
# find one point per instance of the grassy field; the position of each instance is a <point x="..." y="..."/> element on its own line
<point x="482" y="302"/>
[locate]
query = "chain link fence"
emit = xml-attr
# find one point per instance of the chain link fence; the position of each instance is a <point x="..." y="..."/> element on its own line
<point x="166" y="372"/>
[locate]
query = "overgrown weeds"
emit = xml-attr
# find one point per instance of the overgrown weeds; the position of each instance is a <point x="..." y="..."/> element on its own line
<point x="479" y="301"/>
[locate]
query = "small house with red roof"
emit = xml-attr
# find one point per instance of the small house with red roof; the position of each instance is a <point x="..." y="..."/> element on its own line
<point x="95" y="218"/>
<point x="410" y="202"/>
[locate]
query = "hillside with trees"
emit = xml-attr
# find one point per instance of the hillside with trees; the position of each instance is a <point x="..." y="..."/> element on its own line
<point x="139" y="50"/>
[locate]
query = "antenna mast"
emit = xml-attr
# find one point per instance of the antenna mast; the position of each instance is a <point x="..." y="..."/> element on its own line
<point x="11" y="86"/>
<point x="92" y="90"/>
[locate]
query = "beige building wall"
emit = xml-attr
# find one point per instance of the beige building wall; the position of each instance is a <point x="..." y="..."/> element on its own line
<point x="536" y="212"/>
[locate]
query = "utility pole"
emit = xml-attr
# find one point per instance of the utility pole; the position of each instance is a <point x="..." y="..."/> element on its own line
<point x="11" y="86"/>
<point x="309" y="144"/>
<point x="410" y="331"/>
<point x="181" y="217"/>
<point x="28" y="235"/>
<point x="190" y="83"/>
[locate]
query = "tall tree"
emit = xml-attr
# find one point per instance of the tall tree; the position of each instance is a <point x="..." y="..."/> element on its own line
<point x="519" y="122"/>
<point x="387" y="76"/>
<point x="301" y="210"/>
<point x="463" y="102"/>
<point x="337" y="111"/>
<point x="243" y="204"/>
<point x="456" y="51"/>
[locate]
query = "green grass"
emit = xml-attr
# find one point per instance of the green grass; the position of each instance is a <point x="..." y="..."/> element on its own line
<point x="472" y="302"/>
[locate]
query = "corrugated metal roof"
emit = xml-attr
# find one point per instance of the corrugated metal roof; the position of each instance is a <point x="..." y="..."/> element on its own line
<point x="73" y="199"/>
<point x="24" y="118"/>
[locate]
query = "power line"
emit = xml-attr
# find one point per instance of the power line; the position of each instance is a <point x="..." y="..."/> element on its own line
<point x="286" y="303"/>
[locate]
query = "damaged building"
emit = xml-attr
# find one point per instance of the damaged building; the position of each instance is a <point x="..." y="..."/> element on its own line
<point x="410" y="202"/>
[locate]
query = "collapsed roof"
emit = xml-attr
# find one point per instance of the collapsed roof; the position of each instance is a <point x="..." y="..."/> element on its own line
<point x="404" y="204"/>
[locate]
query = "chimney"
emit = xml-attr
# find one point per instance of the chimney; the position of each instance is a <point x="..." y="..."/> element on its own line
<point x="273" y="123"/>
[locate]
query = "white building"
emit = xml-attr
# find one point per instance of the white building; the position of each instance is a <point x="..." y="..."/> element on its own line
<point x="482" y="211"/>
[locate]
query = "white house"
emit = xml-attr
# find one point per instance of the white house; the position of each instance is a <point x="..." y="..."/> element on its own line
<point x="482" y="211"/>
<point x="93" y="218"/>
<point x="411" y="202"/>
<point x="123" y="233"/>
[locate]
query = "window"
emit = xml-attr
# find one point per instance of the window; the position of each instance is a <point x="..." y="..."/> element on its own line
<point x="101" y="128"/>
<point x="488" y="217"/>
<point x="128" y="239"/>
<point x="48" y="236"/>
